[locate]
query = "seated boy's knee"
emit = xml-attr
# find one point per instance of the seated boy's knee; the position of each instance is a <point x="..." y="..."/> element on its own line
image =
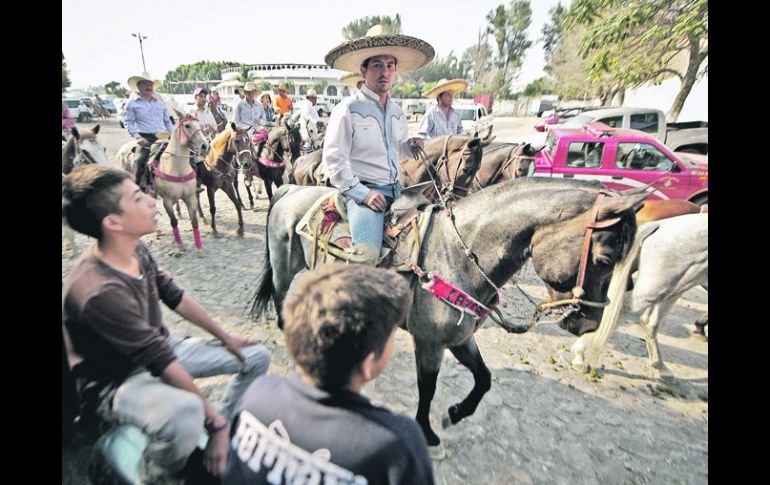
<point x="257" y="359"/>
<point x="186" y="422"/>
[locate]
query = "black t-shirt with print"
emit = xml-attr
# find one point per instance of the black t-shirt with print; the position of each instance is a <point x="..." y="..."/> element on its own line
<point x="286" y="429"/>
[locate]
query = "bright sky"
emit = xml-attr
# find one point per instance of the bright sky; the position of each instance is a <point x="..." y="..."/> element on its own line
<point x="98" y="46"/>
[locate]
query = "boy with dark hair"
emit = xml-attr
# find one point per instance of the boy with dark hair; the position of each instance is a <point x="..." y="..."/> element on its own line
<point x="117" y="345"/>
<point x="315" y="426"/>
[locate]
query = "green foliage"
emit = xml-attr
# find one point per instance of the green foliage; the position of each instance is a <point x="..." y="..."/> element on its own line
<point x="320" y="86"/>
<point x="553" y="31"/>
<point x="537" y="87"/>
<point x="266" y="86"/>
<point x="194" y="73"/>
<point x="632" y="42"/>
<point x="449" y="67"/>
<point x="357" y="28"/>
<point x="115" y="88"/>
<point x="509" y="29"/>
<point x="65" y="79"/>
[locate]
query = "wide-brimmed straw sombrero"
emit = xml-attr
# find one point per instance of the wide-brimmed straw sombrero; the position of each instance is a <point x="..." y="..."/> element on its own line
<point x="351" y="79"/>
<point x="411" y="53"/>
<point x="457" y="86"/>
<point x="133" y="81"/>
<point x="250" y="86"/>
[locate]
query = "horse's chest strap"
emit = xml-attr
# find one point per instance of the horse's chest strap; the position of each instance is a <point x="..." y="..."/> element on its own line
<point x="457" y="298"/>
<point x="269" y="163"/>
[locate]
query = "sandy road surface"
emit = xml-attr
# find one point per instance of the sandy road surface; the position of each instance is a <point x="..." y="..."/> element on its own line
<point x="541" y="422"/>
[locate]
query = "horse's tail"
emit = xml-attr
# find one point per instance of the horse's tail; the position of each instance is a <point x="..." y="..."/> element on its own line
<point x="592" y="344"/>
<point x="266" y="291"/>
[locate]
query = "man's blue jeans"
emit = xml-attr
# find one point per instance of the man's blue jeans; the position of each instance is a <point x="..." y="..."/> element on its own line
<point x="366" y="225"/>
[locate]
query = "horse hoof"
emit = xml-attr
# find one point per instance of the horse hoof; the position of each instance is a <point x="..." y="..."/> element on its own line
<point x="437" y="452"/>
<point x="700" y="336"/>
<point x="175" y="253"/>
<point x="240" y="232"/>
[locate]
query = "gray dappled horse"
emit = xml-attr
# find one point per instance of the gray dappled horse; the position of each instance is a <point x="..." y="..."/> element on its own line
<point x="672" y="257"/>
<point x="544" y="219"/>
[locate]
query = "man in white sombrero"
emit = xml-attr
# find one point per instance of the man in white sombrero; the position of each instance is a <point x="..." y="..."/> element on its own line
<point x="146" y="116"/>
<point x="249" y="113"/>
<point x="443" y="119"/>
<point x="367" y="132"/>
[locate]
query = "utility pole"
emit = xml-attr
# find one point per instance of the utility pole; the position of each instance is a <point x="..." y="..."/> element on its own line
<point x="141" y="37"/>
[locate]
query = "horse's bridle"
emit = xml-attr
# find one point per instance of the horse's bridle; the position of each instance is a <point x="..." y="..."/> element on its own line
<point x="182" y="131"/>
<point x="448" y="188"/>
<point x="577" y="292"/>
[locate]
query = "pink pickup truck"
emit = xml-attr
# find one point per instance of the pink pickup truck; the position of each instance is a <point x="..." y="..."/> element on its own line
<point x="623" y="159"/>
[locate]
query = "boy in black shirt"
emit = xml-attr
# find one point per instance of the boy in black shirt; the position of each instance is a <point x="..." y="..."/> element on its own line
<point x="314" y="426"/>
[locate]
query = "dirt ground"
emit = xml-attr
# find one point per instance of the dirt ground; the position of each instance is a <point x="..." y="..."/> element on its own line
<point x="542" y="421"/>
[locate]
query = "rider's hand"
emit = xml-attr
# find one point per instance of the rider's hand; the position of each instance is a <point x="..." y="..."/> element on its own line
<point x="375" y="201"/>
<point x="415" y="142"/>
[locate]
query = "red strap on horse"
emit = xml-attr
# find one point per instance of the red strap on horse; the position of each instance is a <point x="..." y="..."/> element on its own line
<point x="592" y="224"/>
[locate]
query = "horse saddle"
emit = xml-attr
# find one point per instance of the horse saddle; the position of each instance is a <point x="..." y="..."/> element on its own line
<point x="326" y="226"/>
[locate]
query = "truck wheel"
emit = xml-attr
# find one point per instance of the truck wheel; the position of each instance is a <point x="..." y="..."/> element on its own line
<point x="701" y="200"/>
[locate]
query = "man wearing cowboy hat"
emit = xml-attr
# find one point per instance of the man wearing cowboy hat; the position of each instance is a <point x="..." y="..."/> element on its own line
<point x="146" y="116"/>
<point x="282" y="103"/>
<point x="206" y="119"/>
<point x="308" y="112"/>
<point x="249" y="114"/>
<point x="443" y="119"/>
<point x="367" y="132"/>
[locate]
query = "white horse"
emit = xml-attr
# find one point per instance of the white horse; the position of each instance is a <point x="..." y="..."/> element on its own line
<point x="673" y="257"/>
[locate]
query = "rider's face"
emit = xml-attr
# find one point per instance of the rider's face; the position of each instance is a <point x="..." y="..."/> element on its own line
<point x="145" y="87"/>
<point x="445" y="99"/>
<point x="380" y="73"/>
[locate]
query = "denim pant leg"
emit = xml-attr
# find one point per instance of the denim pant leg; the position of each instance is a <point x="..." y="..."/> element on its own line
<point x="366" y="225"/>
<point x="171" y="418"/>
<point x="205" y="358"/>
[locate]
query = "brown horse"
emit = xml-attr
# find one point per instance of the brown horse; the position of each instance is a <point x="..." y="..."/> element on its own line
<point x="100" y="112"/>
<point x="271" y="163"/>
<point x="504" y="161"/>
<point x="219" y="169"/>
<point x="175" y="177"/>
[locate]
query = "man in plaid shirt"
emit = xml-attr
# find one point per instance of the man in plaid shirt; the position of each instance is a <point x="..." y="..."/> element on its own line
<point x="443" y="119"/>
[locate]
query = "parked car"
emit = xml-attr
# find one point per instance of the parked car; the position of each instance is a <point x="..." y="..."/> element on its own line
<point x="413" y="107"/>
<point x="692" y="137"/>
<point x="78" y="110"/>
<point x="474" y="118"/>
<point x="109" y="106"/>
<point x="622" y="159"/>
<point x="559" y="116"/>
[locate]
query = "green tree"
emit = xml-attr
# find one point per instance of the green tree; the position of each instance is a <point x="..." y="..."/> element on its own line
<point x="115" y="88"/>
<point x="633" y="42"/>
<point x="537" y="87"/>
<point x="478" y="62"/>
<point x="266" y="86"/>
<point x="320" y="86"/>
<point x="553" y="31"/>
<point x="357" y="28"/>
<point x="65" y="79"/>
<point x="509" y="29"/>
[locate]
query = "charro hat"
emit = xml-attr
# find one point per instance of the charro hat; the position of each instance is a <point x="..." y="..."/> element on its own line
<point x="411" y="53"/>
<point x="351" y="79"/>
<point x="457" y="86"/>
<point x="250" y="86"/>
<point x="133" y="81"/>
<point x="311" y="93"/>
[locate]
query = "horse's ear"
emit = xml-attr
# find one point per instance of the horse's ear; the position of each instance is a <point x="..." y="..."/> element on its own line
<point x="179" y="114"/>
<point x="614" y="206"/>
<point x="486" y="141"/>
<point x="233" y="127"/>
<point x="95" y="130"/>
<point x="75" y="133"/>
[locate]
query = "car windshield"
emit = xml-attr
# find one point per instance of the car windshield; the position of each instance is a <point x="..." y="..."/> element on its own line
<point x="577" y="122"/>
<point x="467" y="114"/>
<point x="71" y="103"/>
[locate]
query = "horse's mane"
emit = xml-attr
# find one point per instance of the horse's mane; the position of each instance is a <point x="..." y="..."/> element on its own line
<point x="218" y="147"/>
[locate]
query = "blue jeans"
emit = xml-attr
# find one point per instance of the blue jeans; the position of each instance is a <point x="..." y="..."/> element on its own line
<point x="366" y="225"/>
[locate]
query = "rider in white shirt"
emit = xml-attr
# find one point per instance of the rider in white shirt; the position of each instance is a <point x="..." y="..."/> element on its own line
<point x="309" y="114"/>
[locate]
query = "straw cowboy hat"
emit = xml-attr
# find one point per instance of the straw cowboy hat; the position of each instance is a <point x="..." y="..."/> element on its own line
<point x="351" y="79"/>
<point x="250" y="86"/>
<point x="457" y="86"/>
<point x="133" y="81"/>
<point x="311" y="93"/>
<point x="410" y="53"/>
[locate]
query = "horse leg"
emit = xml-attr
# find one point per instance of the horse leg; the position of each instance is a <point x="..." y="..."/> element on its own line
<point x="169" y="206"/>
<point x="700" y="327"/>
<point x="235" y="186"/>
<point x="230" y="191"/>
<point x="178" y="210"/>
<point x="650" y="322"/>
<point x="192" y="208"/>
<point x="213" y="211"/>
<point x="268" y="189"/>
<point x="200" y="209"/>
<point x="468" y="354"/>
<point x="428" y="356"/>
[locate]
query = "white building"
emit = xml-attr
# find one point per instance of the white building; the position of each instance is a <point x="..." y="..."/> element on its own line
<point x="303" y="76"/>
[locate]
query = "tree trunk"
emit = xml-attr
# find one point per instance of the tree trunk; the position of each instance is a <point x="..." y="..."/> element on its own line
<point x="696" y="58"/>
